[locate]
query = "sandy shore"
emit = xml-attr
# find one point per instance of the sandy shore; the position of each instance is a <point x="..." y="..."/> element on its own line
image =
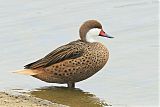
<point x="9" y="100"/>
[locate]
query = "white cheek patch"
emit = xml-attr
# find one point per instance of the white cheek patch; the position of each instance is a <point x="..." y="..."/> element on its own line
<point x="92" y="35"/>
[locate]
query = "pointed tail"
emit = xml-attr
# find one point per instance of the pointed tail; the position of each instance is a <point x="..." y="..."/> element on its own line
<point x="27" y="72"/>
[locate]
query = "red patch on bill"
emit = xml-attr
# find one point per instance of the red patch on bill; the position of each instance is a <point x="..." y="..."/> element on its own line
<point x="102" y="33"/>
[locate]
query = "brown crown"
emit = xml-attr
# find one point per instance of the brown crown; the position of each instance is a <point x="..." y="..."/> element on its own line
<point x="86" y="26"/>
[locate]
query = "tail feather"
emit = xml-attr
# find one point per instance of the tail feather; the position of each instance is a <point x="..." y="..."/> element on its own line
<point x="27" y="72"/>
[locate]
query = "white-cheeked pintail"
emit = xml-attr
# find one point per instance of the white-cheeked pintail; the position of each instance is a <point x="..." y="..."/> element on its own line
<point x="75" y="61"/>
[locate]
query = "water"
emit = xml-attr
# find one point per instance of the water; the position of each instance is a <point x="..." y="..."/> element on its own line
<point x="69" y="97"/>
<point x="31" y="29"/>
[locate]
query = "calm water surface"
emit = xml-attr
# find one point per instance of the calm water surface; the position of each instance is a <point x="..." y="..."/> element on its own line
<point x="69" y="97"/>
<point x="29" y="29"/>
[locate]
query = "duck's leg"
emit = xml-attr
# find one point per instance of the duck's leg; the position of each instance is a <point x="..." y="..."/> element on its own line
<point x="71" y="85"/>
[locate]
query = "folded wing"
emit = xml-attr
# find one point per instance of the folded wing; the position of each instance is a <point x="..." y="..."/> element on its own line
<point x="72" y="50"/>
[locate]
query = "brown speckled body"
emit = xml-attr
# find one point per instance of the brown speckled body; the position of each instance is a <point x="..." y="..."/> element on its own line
<point x="72" y="62"/>
<point x="92" y="60"/>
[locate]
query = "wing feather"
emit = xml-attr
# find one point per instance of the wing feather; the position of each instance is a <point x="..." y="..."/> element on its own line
<point x="70" y="51"/>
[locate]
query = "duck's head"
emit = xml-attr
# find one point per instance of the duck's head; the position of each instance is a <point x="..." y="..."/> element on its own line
<point x="90" y="30"/>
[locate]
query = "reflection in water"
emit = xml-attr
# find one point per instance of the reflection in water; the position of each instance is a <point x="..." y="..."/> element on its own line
<point x="69" y="97"/>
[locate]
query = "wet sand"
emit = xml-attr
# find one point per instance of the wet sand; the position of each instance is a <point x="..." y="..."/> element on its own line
<point x="8" y="100"/>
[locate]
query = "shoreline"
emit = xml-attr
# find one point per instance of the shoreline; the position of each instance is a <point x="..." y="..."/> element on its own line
<point x="9" y="100"/>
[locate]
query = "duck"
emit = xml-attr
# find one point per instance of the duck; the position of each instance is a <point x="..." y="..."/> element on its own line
<point x="75" y="61"/>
